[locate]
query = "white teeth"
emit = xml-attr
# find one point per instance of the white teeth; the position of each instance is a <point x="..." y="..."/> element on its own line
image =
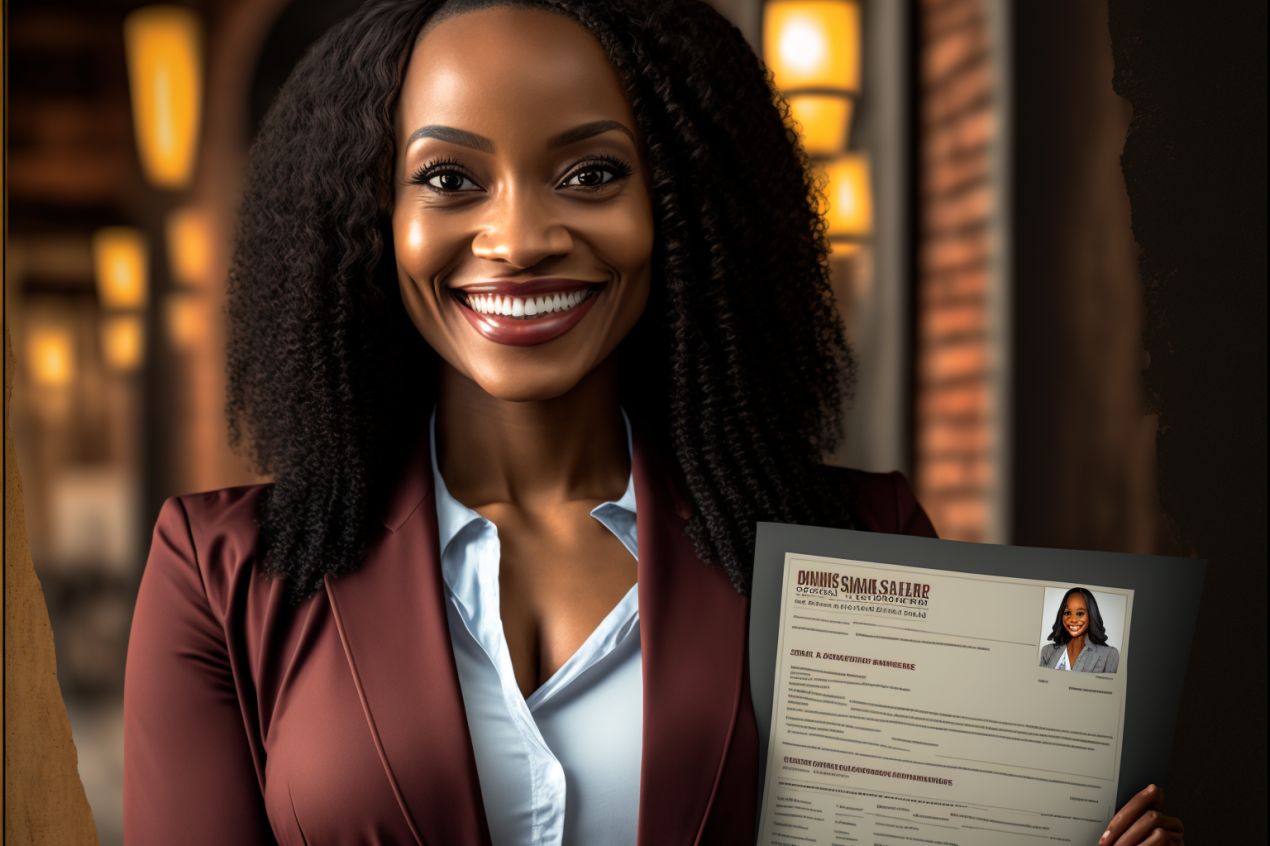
<point x="526" y="306"/>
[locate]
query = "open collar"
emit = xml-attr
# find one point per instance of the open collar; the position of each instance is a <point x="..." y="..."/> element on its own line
<point x="392" y="623"/>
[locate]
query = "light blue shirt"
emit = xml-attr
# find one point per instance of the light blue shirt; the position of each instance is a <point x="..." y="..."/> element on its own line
<point x="561" y="767"/>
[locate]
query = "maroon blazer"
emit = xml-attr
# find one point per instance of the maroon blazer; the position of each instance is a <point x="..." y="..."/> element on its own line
<point x="340" y="721"/>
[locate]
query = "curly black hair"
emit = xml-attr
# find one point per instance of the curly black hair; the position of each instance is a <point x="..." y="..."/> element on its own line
<point x="1097" y="631"/>
<point x="742" y="361"/>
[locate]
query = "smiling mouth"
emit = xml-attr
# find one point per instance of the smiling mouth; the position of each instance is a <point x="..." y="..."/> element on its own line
<point x="526" y="308"/>
<point x="525" y="314"/>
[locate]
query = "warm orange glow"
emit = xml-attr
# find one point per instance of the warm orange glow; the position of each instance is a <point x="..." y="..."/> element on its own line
<point x="51" y="356"/>
<point x="165" y="71"/>
<point x="123" y="341"/>
<point x="186" y="320"/>
<point x="850" y="196"/>
<point x="119" y="256"/>
<point x="189" y="246"/>
<point x="823" y="122"/>
<point x="812" y="43"/>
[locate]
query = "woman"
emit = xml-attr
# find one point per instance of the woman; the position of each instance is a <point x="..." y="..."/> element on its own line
<point x="477" y="605"/>
<point x="1079" y="641"/>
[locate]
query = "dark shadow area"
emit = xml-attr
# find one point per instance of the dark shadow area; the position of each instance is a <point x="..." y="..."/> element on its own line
<point x="299" y="25"/>
<point x="1195" y="167"/>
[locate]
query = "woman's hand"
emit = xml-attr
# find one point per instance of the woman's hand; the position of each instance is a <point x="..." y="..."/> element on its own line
<point x="1140" y="822"/>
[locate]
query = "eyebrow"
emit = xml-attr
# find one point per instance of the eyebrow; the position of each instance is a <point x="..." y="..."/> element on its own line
<point x="480" y="142"/>
<point x="453" y="136"/>
<point x="587" y="130"/>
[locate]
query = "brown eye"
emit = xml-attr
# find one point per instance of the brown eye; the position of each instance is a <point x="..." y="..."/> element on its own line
<point x="449" y="180"/>
<point x="593" y="176"/>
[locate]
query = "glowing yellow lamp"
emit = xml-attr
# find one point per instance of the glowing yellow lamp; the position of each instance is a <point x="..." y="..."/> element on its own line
<point x="850" y="197"/>
<point x="844" y="249"/>
<point x="823" y="122"/>
<point x="119" y="256"/>
<point x="812" y="44"/>
<point x="51" y="355"/>
<point x="189" y="245"/>
<point x="186" y="319"/>
<point x="123" y="341"/>
<point x="165" y="72"/>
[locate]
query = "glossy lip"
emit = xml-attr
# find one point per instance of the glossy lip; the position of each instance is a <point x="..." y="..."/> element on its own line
<point x="515" y="332"/>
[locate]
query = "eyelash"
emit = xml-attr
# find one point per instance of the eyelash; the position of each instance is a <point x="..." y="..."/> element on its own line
<point x="619" y="168"/>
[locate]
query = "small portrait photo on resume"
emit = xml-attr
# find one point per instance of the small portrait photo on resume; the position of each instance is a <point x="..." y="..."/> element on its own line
<point x="1081" y="630"/>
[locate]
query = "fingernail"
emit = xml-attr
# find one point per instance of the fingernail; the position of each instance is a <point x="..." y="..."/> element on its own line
<point x="1104" y="837"/>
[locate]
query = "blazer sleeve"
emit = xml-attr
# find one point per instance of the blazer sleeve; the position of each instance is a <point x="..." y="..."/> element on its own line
<point x="911" y="516"/>
<point x="1047" y="652"/>
<point x="885" y="502"/>
<point x="189" y="775"/>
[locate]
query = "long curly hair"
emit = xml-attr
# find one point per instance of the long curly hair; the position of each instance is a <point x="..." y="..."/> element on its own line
<point x="1097" y="632"/>
<point x="742" y="364"/>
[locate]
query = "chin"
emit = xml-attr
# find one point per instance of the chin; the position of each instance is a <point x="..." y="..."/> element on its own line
<point x="526" y="384"/>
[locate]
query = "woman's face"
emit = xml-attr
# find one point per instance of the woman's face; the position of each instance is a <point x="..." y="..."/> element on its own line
<point x="522" y="218"/>
<point x="1076" y="616"/>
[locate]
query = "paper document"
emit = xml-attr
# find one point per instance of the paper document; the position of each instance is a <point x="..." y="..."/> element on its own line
<point x="922" y="707"/>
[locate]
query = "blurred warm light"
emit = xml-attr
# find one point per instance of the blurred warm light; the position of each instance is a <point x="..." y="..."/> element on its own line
<point x="189" y="245"/>
<point x="844" y="249"/>
<point x="812" y="44"/>
<point x="165" y="72"/>
<point x="850" y="211"/>
<point x="123" y="341"/>
<point x="824" y="122"/>
<point x="119" y="255"/>
<point x="51" y="355"/>
<point x="185" y="319"/>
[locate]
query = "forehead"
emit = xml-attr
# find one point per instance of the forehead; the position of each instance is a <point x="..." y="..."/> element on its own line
<point x="504" y="70"/>
<point x="1076" y="600"/>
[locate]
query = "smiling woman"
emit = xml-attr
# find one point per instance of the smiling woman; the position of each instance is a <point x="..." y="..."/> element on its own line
<point x="1079" y="639"/>
<point x="530" y="321"/>
<point x="522" y="217"/>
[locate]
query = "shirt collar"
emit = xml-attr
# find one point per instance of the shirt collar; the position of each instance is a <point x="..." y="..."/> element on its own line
<point x="453" y="516"/>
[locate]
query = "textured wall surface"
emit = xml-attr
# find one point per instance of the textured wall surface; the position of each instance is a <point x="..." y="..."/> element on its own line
<point x="43" y="799"/>
<point x="1195" y="167"/>
<point x="958" y="123"/>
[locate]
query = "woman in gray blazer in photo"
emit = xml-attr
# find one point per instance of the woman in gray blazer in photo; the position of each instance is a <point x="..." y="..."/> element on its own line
<point x="1079" y="639"/>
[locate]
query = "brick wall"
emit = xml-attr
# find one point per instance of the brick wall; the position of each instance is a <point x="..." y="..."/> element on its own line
<point x="953" y="459"/>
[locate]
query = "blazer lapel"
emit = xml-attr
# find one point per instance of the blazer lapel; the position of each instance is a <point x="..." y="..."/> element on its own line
<point x="391" y="618"/>
<point x="692" y="633"/>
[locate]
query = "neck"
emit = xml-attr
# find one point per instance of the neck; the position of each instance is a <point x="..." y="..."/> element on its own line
<point x="532" y="453"/>
<point x="1076" y="644"/>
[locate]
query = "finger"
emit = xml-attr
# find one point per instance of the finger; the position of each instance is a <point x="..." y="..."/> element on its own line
<point x="1160" y="837"/>
<point x="1147" y="829"/>
<point x="1150" y="798"/>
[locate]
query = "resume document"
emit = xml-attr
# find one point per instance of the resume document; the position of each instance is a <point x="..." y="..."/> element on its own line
<point x="911" y="708"/>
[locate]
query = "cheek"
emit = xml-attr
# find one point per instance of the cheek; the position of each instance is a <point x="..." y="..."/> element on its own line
<point x="622" y="236"/>
<point x="419" y="248"/>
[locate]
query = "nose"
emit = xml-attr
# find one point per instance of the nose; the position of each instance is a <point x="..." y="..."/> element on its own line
<point x="522" y="231"/>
